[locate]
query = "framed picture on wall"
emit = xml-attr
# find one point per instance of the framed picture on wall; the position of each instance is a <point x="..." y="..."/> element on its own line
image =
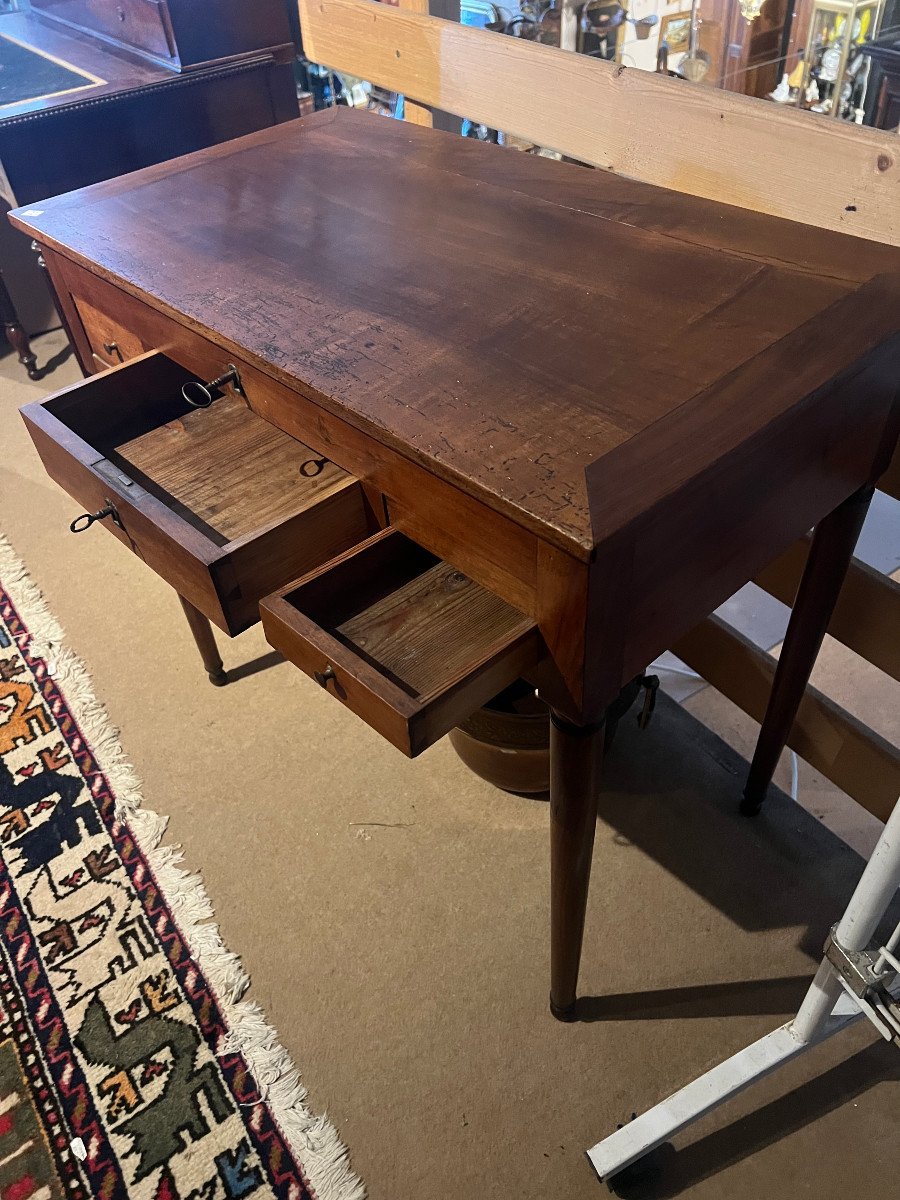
<point x="675" y="29"/>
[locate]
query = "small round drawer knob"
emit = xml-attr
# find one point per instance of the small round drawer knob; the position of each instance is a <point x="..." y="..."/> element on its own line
<point x="86" y="520"/>
<point x="322" y="677"/>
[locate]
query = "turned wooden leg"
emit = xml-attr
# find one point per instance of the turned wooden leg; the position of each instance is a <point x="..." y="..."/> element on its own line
<point x="206" y="643"/>
<point x="86" y="363"/>
<point x="576" y="752"/>
<point x="18" y="338"/>
<point x="829" y="557"/>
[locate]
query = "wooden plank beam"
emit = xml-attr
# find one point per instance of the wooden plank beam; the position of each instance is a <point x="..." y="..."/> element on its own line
<point x="703" y="141"/>
<point x="416" y="114"/>
<point x="864" y="764"/>
<point x="867" y="615"/>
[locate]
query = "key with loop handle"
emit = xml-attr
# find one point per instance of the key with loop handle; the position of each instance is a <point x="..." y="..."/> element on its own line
<point x="200" y="395"/>
<point x="312" y="467"/>
<point x="86" y="520"/>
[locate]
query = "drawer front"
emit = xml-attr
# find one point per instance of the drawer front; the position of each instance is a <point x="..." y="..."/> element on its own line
<point x="111" y="343"/>
<point x="401" y="638"/>
<point x="96" y="485"/>
<point x="490" y="547"/>
<point x="219" y="504"/>
<point x="75" y="475"/>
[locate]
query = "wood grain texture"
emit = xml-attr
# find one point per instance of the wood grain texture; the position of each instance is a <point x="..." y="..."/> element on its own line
<point x="271" y="555"/>
<point x="425" y="631"/>
<point x="476" y="538"/>
<point x="211" y="500"/>
<point x="857" y="759"/>
<point x="411" y="643"/>
<point x="111" y="341"/>
<point x="137" y="25"/>
<point x="754" y="497"/>
<point x="228" y="467"/>
<point x="415" y="114"/>
<point x="678" y="401"/>
<point x="576" y="756"/>
<point x="665" y="211"/>
<point x="170" y="547"/>
<point x="605" y="404"/>
<point x="702" y="141"/>
<point x="389" y="289"/>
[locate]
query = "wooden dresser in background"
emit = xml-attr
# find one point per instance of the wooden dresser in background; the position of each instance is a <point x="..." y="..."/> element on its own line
<point x="883" y="95"/>
<point x="153" y="79"/>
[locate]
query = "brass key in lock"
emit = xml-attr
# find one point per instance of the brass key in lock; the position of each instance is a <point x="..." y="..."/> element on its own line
<point x="200" y="395"/>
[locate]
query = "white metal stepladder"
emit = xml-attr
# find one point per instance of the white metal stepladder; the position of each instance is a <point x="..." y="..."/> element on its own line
<point x="854" y="980"/>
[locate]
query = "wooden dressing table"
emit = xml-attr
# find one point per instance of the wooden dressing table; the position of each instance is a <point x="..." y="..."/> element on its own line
<point x="476" y="415"/>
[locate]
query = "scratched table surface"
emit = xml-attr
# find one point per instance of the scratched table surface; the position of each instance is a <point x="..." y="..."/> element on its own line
<point x="509" y="322"/>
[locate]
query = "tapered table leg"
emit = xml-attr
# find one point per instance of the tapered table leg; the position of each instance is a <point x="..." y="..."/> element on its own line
<point x="829" y="557"/>
<point x="576" y="753"/>
<point x="206" y="643"/>
<point x="17" y="336"/>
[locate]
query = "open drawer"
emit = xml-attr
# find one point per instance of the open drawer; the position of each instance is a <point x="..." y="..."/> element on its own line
<point x="402" y="638"/>
<point x="221" y="504"/>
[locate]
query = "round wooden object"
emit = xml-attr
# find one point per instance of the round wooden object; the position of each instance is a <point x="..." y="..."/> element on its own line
<point x="507" y="742"/>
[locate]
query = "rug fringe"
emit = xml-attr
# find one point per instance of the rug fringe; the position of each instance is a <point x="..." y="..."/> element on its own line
<point x="314" y="1140"/>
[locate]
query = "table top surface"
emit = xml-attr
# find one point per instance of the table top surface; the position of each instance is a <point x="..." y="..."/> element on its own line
<point x="521" y="327"/>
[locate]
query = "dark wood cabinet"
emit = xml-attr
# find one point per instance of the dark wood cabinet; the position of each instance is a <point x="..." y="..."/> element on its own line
<point x="883" y="95"/>
<point x="182" y="32"/>
<point x="92" y="89"/>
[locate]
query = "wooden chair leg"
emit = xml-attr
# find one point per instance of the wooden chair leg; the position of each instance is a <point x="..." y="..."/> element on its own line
<point x="832" y="549"/>
<point x="206" y="643"/>
<point x="17" y="336"/>
<point x="576" y="754"/>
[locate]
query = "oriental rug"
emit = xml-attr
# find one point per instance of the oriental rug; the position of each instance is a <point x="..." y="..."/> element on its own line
<point x="130" y="1066"/>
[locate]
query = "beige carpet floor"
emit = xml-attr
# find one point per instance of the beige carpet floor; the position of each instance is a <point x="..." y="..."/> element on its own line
<point x="393" y="914"/>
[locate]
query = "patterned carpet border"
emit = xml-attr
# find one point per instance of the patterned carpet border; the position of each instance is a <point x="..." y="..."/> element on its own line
<point x="264" y="1086"/>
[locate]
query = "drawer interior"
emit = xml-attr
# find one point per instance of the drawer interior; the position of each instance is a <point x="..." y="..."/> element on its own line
<point x="411" y="616"/>
<point x="413" y="644"/>
<point x="222" y="469"/>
